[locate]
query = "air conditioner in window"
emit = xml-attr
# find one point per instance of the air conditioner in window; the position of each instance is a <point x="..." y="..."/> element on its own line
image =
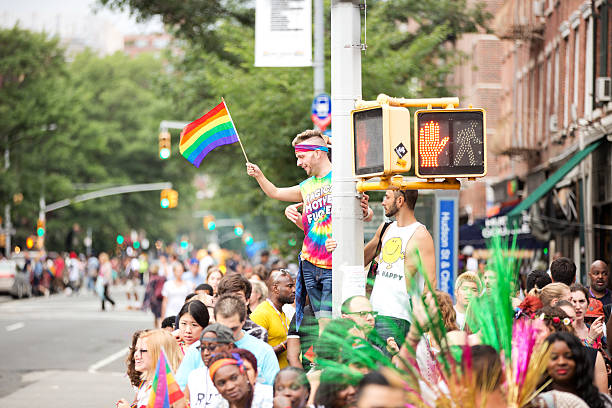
<point x="603" y="89"/>
<point x="574" y="112"/>
<point x="552" y="123"/>
<point x="538" y="8"/>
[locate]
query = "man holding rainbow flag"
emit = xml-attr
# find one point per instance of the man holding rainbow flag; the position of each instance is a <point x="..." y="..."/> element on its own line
<point x="314" y="194"/>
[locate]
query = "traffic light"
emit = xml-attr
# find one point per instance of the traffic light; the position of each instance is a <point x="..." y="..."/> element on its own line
<point x="209" y="222"/>
<point x="164" y="202"/>
<point x="184" y="243"/>
<point x="450" y="143"/>
<point x="381" y="141"/>
<point x="164" y="144"/>
<point x="172" y="198"/>
<point x="120" y="239"/>
<point x="239" y="229"/>
<point x="29" y="242"/>
<point x="248" y="239"/>
<point x="40" y="228"/>
<point x="168" y="198"/>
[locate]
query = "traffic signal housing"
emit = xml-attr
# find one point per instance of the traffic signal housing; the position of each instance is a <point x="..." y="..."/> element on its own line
<point x="40" y="228"/>
<point x="168" y="198"/>
<point x="209" y="222"/>
<point x="164" y="144"/>
<point x="450" y="143"/>
<point x="380" y="141"/>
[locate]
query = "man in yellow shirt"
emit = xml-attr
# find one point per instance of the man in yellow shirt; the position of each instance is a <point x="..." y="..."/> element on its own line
<point x="270" y="315"/>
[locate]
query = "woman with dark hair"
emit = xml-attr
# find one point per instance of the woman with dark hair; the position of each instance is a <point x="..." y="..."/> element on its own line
<point x="291" y="388"/>
<point x="191" y="320"/>
<point x="227" y="371"/>
<point x="250" y="363"/>
<point x="335" y="391"/>
<point x="571" y="371"/>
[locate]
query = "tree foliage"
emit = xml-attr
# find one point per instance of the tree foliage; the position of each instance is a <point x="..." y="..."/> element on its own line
<point x="82" y="126"/>
<point x="409" y="54"/>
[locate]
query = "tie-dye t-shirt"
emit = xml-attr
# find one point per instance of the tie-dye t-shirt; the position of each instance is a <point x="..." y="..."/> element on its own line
<point x="316" y="218"/>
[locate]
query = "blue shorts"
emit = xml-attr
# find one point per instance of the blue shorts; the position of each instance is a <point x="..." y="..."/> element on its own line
<point x="318" y="282"/>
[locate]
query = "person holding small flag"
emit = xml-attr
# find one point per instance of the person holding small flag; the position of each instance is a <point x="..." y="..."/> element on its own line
<point x="156" y="356"/>
<point x="315" y="193"/>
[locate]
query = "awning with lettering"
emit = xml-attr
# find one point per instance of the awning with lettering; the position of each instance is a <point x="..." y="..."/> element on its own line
<point x="477" y="234"/>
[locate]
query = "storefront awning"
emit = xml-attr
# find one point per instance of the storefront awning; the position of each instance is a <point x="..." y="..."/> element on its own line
<point x="553" y="180"/>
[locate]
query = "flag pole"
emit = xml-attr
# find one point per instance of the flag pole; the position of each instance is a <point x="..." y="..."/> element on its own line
<point x="239" y="141"/>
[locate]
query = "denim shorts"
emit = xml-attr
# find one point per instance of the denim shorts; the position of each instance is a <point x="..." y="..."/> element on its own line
<point x="318" y="282"/>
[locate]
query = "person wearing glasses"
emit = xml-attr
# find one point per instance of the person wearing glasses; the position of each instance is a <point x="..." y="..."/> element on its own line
<point x="146" y="355"/>
<point x="270" y="315"/>
<point x="200" y="389"/>
<point x="358" y="309"/>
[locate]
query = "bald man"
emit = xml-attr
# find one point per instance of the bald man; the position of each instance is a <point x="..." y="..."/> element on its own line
<point x="270" y="315"/>
<point x="598" y="276"/>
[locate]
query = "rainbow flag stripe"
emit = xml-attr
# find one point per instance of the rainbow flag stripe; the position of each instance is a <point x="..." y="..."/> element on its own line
<point x="165" y="390"/>
<point x="212" y="130"/>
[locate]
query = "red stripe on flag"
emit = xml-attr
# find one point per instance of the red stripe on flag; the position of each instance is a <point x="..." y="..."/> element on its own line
<point x="206" y="116"/>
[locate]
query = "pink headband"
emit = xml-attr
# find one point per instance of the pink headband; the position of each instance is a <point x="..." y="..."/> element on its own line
<point x="308" y="147"/>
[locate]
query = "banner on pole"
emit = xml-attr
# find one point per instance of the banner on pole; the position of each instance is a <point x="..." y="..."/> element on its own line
<point x="446" y="239"/>
<point x="283" y="33"/>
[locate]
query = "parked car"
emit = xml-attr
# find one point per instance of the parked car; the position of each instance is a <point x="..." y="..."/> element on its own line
<point x="14" y="280"/>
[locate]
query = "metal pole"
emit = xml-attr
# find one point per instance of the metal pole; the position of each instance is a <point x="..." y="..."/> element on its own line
<point x="319" y="48"/>
<point x="347" y="224"/>
<point x="7" y="228"/>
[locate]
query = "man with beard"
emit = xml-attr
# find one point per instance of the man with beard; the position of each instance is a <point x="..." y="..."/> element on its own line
<point x="406" y="247"/>
<point x="270" y="315"/>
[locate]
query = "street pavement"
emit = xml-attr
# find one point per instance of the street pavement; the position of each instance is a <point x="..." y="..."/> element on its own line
<point x="62" y="351"/>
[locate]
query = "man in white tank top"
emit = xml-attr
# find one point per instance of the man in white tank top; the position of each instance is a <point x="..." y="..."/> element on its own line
<point x="406" y="243"/>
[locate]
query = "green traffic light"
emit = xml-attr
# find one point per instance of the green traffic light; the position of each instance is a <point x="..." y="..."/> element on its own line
<point x="212" y="225"/>
<point x="120" y="239"/>
<point x="164" y="203"/>
<point x="184" y="244"/>
<point x="249" y="240"/>
<point x="136" y="244"/>
<point x="164" y="153"/>
<point x="40" y="232"/>
<point x="238" y="231"/>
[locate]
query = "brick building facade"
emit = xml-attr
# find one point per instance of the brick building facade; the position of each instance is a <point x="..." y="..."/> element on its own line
<point x="554" y="104"/>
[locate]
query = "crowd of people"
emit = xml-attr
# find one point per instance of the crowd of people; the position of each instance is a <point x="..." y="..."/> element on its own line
<point x="232" y="341"/>
<point x="265" y="336"/>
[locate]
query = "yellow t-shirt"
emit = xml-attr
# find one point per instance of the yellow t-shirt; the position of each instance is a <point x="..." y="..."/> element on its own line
<point x="277" y="325"/>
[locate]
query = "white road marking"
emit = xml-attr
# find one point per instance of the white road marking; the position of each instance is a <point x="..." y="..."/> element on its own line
<point x="16" y="326"/>
<point x="107" y="360"/>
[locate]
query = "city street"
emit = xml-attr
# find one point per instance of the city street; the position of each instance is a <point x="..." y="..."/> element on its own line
<point x="62" y="351"/>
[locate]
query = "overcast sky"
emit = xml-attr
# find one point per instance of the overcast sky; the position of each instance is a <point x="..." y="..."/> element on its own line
<point x="51" y="13"/>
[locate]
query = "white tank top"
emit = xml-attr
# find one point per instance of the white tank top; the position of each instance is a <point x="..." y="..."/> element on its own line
<point x="389" y="296"/>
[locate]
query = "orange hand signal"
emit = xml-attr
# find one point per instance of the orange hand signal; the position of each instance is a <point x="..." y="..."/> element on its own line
<point x="430" y="144"/>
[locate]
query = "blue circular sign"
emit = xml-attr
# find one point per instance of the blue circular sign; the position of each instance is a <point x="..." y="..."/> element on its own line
<point x="321" y="106"/>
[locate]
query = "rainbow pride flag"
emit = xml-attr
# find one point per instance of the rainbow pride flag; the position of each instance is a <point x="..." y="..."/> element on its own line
<point x="165" y="390"/>
<point x="212" y="130"/>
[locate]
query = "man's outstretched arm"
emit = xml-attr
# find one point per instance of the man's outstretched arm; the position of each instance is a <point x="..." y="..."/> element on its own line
<point x="291" y="194"/>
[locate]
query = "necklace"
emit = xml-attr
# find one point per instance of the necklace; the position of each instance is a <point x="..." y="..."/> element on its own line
<point x="281" y="316"/>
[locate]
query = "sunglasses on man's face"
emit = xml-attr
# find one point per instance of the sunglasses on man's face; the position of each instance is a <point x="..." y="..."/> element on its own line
<point x="210" y="347"/>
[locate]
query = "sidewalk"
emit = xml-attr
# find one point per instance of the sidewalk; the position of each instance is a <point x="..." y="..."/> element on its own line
<point x="67" y="389"/>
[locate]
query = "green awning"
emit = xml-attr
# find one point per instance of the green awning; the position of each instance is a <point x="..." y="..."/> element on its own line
<point x="556" y="177"/>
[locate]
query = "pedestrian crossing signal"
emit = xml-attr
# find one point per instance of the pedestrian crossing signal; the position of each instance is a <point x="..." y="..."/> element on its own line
<point x="381" y="141"/>
<point x="450" y="143"/>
